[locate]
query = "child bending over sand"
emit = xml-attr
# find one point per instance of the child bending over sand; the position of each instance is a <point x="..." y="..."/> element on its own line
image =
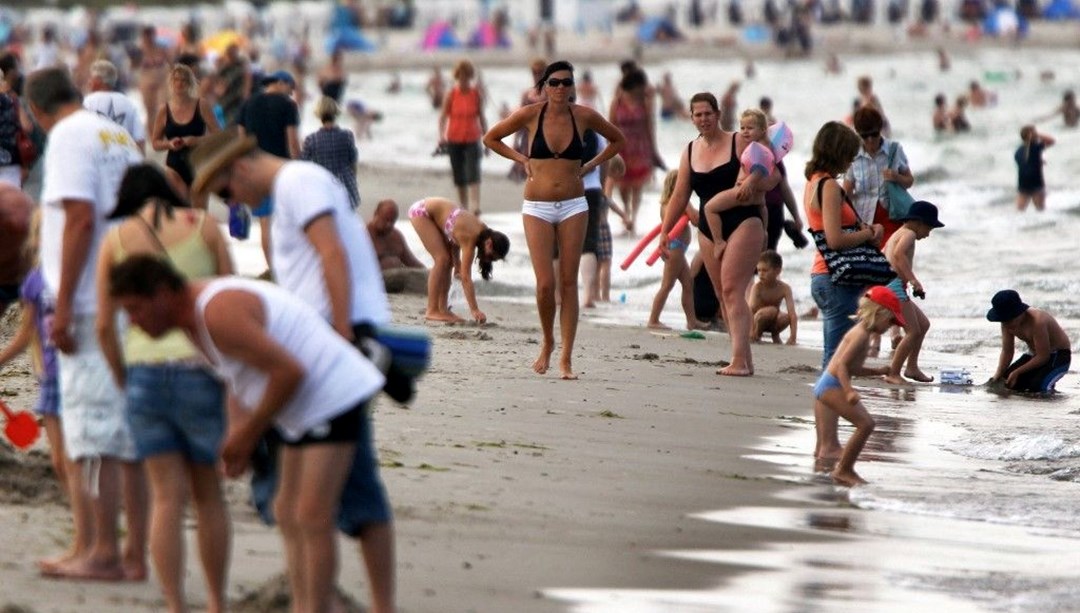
<point x="1049" y="349"/>
<point x="757" y="163"/>
<point x="833" y="394"/>
<point x="765" y="298"/>
<point x="922" y="217"/>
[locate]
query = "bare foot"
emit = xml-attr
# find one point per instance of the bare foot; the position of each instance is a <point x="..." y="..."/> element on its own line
<point x="540" y="366"/>
<point x="85" y="569"/>
<point x="134" y="571"/>
<point x="566" y="369"/>
<point x="655" y="325"/>
<point x="830" y="454"/>
<point x="443" y="318"/>
<point x="589" y="305"/>
<point x="918" y="375"/>
<point x="847" y="478"/>
<point x="732" y="370"/>
<point x="47" y="564"/>
<point x="896" y="380"/>
<point x="697" y="324"/>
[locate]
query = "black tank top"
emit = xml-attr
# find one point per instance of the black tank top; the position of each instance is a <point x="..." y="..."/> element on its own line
<point x="708" y="184"/>
<point x="178" y="160"/>
<point x="540" y="150"/>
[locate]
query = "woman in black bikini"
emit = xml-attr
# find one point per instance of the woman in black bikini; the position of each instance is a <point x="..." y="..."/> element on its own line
<point x="555" y="211"/>
<point x="744" y="227"/>
<point x="180" y="123"/>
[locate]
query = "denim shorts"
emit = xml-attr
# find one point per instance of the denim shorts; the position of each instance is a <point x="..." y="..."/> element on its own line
<point x="176" y="408"/>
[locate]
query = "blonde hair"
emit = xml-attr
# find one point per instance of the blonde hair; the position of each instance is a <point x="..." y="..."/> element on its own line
<point x="327" y="109"/>
<point x="758" y="116"/>
<point x="667" y="189"/>
<point x="868" y="312"/>
<point x="185" y="73"/>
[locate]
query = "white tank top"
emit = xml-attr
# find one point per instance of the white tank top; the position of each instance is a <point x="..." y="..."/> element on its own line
<point x="337" y="376"/>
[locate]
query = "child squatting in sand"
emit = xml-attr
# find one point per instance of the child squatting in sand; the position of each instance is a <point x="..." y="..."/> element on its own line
<point x="833" y="393"/>
<point x="766" y="297"/>
<point x="753" y="126"/>
<point x="1049" y="348"/>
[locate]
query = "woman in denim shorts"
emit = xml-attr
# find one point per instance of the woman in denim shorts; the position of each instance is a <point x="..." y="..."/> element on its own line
<point x="175" y="406"/>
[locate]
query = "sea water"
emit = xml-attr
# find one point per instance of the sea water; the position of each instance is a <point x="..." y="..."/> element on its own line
<point x="974" y="496"/>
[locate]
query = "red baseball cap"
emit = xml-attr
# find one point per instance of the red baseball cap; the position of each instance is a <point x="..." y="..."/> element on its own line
<point x="886" y="298"/>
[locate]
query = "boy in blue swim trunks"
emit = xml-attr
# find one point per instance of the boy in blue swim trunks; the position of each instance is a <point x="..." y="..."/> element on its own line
<point x="922" y="217"/>
<point x="834" y="396"/>
<point x="1049" y="349"/>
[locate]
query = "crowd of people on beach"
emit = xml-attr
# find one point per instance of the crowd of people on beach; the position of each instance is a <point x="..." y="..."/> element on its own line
<point x="215" y="369"/>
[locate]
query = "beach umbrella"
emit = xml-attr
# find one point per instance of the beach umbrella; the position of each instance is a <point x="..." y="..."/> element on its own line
<point x="221" y="40"/>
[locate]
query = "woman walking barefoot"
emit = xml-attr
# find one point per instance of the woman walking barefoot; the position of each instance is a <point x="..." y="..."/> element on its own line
<point x="555" y="210"/>
<point x="453" y="237"/>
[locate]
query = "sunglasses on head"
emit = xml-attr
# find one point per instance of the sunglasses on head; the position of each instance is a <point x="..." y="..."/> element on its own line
<point x="553" y="82"/>
<point x="866" y="135"/>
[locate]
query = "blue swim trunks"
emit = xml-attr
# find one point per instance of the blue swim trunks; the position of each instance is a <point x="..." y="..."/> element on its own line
<point x="826" y="382"/>
<point x="899" y="288"/>
<point x="264" y="208"/>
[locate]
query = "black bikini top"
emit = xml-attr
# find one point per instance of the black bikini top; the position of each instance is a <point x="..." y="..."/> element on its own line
<point x="540" y="150"/>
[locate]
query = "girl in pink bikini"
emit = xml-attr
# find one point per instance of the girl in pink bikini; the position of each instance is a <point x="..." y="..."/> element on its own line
<point x="453" y="237"/>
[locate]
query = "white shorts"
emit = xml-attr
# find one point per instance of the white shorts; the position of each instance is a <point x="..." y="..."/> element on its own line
<point x="92" y="417"/>
<point x="557" y="211"/>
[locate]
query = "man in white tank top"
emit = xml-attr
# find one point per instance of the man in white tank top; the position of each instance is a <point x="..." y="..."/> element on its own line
<point x="286" y="368"/>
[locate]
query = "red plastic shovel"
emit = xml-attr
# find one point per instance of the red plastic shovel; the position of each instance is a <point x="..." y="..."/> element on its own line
<point x="22" y="428"/>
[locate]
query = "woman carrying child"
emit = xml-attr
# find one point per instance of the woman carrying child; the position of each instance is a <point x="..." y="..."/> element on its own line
<point x="755" y="167"/>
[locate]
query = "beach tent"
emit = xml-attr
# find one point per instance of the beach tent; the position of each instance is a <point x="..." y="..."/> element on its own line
<point x="440" y="35"/>
<point x="1004" y="21"/>
<point x="348" y="39"/>
<point x="486" y="36"/>
<point x="657" y="29"/>
<point x="1061" y="9"/>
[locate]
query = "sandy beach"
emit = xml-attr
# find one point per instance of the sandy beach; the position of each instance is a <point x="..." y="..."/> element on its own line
<point x="507" y="485"/>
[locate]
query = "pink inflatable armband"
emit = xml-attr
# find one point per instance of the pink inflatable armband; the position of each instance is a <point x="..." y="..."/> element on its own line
<point x="780" y="140"/>
<point x="757" y="158"/>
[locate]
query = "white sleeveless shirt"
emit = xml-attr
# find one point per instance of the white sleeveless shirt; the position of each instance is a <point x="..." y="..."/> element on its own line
<point x="336" y="378"/>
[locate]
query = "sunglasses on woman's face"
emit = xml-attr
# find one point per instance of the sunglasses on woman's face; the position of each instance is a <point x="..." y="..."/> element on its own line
<point x="553" y="82"/>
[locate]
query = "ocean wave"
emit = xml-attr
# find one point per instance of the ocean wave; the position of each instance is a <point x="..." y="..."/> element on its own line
<point x="1022" y="447"/>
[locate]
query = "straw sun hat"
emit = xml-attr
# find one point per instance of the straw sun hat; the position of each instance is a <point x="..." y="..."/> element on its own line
<point x="216" y="153"/>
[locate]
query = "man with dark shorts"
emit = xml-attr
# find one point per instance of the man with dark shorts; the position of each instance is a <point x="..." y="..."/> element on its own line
<point x="286" y="369"/>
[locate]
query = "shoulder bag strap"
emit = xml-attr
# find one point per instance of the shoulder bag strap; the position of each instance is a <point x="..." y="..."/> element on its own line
<point x="843" y="196"/>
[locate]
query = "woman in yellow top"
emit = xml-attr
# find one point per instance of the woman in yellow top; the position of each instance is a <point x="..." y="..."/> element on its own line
<point x="175" y="407"/>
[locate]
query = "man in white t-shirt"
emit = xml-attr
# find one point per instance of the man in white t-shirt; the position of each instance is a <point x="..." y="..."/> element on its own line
<point x="320" y="249"/>
<point x="82" y="168"/>
<point x="113" y="105"/>
<point x="286" y="369"/>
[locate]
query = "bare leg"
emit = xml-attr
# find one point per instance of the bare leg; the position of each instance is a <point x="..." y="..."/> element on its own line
<point x="736" y="272"/>
<point x="1039" y="200"/>
<point x="844" y="473"/>
<point x="463" y="197"/>
<point x="167" y="486"/>
<point x="438" y="286"/>
<point x="102" y="560"/>
<point x="571" y="235"/>
<point x="474" y="198"/>
<point x="828" y="442"/>
<point x="377" y="547"/>
<point x="136" y="514"/>
<point x="540" y="237"/>
<point x="671" y="274"/>
<point x="764" y="320"/>
<point x="913" y="371"/>
<point x="604" y="280"/>
<point x="590" y="279"/>
<point x="212" y="532"/>
<point x="309" y="508"/>
<point x="83" y="528"/>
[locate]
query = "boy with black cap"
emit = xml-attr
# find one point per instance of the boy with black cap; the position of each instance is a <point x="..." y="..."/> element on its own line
<point x="1048" y="345"/>
<point x="922" y="217"/>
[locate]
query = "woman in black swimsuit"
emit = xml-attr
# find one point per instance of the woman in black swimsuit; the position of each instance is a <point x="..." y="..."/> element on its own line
<point x="180" y="124"/>
<point x="555" y="210"/>
<point x="719" y="151"/>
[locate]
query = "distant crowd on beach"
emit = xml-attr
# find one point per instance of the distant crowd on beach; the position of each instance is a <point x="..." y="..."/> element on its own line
<point x="137" y="413"/>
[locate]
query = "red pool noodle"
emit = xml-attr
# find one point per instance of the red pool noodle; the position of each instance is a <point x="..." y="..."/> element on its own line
<point x="675" y="232"/>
